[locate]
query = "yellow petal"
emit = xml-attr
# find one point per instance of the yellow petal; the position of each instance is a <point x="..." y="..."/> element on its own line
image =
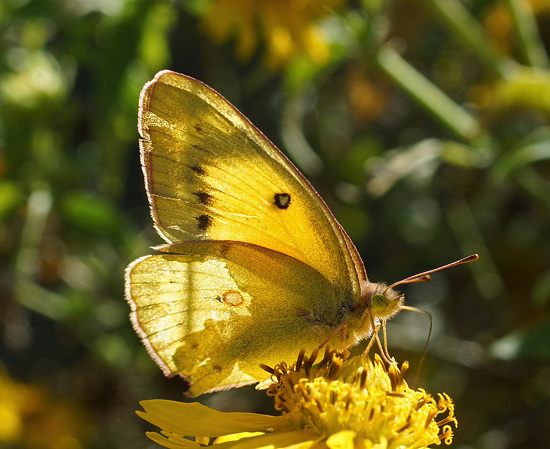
<point x="297" y="439"/>
<point x="194" y="419"/>
<point x="341" y="440"/>
<point x="172" y="441"/>
<point x="236" y="436"/>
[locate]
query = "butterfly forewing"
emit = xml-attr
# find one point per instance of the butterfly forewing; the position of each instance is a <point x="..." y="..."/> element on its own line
<point x="211" y="175"/>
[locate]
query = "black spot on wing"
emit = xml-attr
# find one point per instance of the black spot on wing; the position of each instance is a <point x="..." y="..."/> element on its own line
<point x="204" y="198"/>
<point x="282" y="200"/>
<point x="198" y="128"/>
<point x="204" y="221"/>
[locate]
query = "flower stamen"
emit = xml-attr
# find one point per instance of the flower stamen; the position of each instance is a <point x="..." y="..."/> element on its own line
<point x="339" y="402"/>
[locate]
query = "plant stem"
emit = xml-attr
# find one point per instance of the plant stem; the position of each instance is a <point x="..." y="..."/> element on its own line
<point x="529" y="39"/>
<point x="459" y="20"/>
<point x="427" y="94"/>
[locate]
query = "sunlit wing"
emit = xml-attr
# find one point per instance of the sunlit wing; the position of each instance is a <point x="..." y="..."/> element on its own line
<point x="211" y="175"/>
<point x="213" y="311"/>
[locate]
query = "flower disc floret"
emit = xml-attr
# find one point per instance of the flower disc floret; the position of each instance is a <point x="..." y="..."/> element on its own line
<point x="338" y="403"/>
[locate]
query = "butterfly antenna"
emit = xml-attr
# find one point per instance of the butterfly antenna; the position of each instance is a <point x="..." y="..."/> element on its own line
<point x="410" y="280"/>
<point x="425" y="275"/>
<point x="429" y="315"/>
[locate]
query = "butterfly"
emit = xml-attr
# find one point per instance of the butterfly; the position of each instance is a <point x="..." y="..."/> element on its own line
<point x="255" y="267"/>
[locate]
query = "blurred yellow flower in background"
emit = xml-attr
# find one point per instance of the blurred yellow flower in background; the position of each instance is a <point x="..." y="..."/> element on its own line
<point x="32" y="417"/>
<point x="337" y="403"/>
<point x="286" y="27"/>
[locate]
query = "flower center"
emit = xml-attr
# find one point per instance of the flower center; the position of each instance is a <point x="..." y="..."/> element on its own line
<point x="359" y="395"/>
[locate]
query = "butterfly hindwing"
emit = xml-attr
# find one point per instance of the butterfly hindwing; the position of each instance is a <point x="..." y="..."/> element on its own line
<point x="214" y="310"/>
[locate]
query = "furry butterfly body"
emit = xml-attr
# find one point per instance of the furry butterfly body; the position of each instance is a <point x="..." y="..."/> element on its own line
<point x="255" y="267"/>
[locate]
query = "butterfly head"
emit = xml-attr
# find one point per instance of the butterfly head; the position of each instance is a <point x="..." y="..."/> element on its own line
<point x="385" y="302"/>
<point x="379" y="302"/>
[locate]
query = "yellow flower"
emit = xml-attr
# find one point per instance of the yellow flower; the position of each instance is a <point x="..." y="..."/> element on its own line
<point x="339" y="403"/>
<point x="31" y="416"/>
<point x="287" y="27"/>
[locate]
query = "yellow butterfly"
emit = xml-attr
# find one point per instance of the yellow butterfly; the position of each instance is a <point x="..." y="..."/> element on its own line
<point x="256" y="267"/>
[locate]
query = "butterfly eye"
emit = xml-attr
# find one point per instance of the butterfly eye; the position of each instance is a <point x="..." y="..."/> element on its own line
<point x="379" y="302"/>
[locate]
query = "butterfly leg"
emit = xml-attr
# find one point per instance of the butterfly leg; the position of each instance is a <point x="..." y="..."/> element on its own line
<point x="386" y="352"/>
<point x="383" y="353"/>
<point x="372" y="340"/>
<point x="383" y="350"/>
<point x="374" y="337"/>
<point x="343" y="328"/>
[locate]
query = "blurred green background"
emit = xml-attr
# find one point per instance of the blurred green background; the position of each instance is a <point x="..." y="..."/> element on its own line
<point x="423" y="124"/>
